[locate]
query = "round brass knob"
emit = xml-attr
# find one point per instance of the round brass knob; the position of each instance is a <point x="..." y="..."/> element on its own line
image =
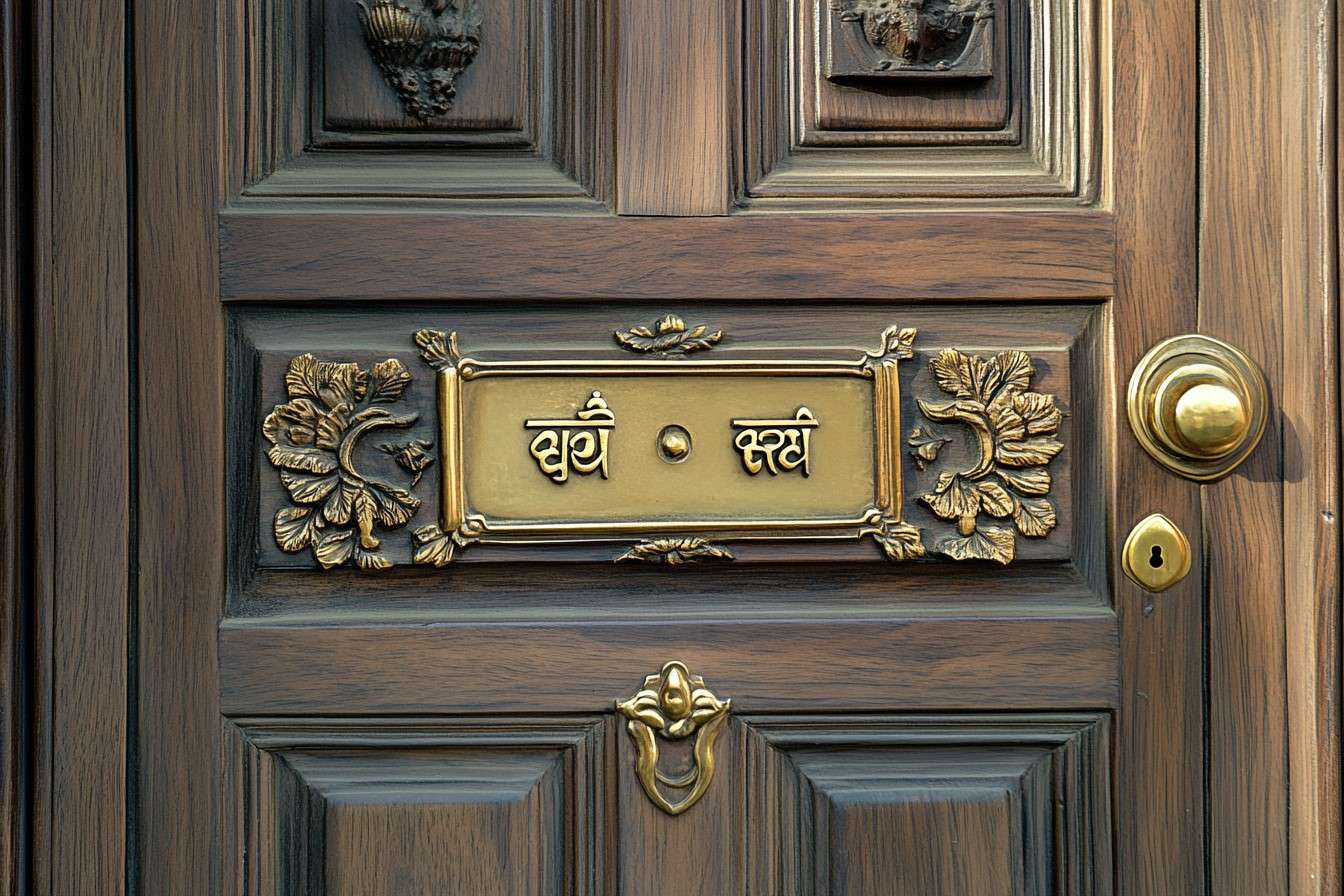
<point x="1197" y="405"/>
<point x="1211" y="419"/>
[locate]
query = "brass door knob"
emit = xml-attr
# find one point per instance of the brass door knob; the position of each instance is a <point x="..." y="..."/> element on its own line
<point x="1197" y="405"/>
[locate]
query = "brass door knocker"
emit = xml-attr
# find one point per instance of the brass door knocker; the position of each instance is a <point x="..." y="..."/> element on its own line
<point x="674" y="704"/>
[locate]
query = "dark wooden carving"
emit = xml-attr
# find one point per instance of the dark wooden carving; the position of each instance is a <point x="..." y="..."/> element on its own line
<point x="422" y="50"/>
<point x="909" y="39"/>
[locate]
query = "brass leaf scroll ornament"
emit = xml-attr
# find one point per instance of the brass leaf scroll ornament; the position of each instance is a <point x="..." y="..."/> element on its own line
<point x="1014" y="431"/>
<point x="674" y="705"/>
<point x="676" y="551"/>
<point x="337" y="507"/>
<point x="669" y="336"/>
<point x="422" y="48"/>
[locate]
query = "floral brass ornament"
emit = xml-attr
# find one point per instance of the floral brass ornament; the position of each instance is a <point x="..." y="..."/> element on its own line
<point x="669" y="336"/>
<point x="676" y="551"/>
<point x="1014" y="431"/>
<point x="674" y="705"/>
<point x="337" y="508"/>
<point x="909" y="38"/>
<point x="422" y="48"/>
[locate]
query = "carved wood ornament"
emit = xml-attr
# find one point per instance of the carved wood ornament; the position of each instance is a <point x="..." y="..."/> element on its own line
<point x="422" y="48"/>
<point x="911" y="37"/>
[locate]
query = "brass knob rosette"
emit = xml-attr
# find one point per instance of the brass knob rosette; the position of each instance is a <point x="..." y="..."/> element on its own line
<point x="1198" y="406"/>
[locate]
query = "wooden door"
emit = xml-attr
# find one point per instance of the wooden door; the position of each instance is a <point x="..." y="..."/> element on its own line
<point x="603" y="447"/>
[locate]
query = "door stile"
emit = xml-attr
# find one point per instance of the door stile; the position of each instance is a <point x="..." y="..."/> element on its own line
<point x="1159" y="759"/>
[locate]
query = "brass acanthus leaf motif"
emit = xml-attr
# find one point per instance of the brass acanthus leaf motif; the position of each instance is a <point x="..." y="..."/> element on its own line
<point x="422" y="48"/>
<point x="438" y="349"/>
<point x="336" y="507"/>
<point x="898" y="539"/>
<point x="1015" y="433"/>
<point x="916" y="33"/>
<point x="434" y="547"/>
<point x="925" y="446"/>
<point x="668" y="336"/>
<point x="414" y="456"/>
<point x="898" y="343"/>
<point x="676" y="551"/>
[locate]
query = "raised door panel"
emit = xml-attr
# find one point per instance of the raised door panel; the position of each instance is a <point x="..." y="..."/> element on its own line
<point x="391" y="807"/>
<point x="911" y="806"/>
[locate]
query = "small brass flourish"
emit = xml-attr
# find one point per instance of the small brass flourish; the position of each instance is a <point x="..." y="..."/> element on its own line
<point x="669" y="336"/>
<point x="673" y="705"/>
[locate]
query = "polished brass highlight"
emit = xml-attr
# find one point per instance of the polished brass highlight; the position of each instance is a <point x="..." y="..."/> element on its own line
<point x="1156" y="554"/>
<point x="776" y="445"/>
<point x="669" y="336"/>
<point x="674" y="705"/>
<point x="579" y="444"/>
<point x="1014" y="434"/>
<point x="670" y="510"/>
<point x="676" y="551"/>
<point x="336" y="506"/>
<point x="674" y="443"/>
<point x="1198" y="406"/>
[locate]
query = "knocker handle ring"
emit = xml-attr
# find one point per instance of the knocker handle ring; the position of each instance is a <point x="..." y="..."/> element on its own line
<point x="674" y="705"/>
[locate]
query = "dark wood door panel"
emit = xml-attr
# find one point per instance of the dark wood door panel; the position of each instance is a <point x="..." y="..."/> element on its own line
<point x="390" y="807"/>
<point x="931" y="806"/>
<point x="277" y="250"/>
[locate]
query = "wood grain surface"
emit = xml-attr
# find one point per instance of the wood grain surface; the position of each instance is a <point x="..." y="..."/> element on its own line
<point x="267" y="255"/>
<point x="1063" y="662"/>
<point x="181" y="420"/>
<point x="1241" y="264"/>
<point x="16" y="245"/>
<point x="1159" y="736"/>
<point x="672" y="107"/>
<point x="82" y="453"/>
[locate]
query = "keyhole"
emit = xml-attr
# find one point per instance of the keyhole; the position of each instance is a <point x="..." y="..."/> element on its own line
<point x="1156" y="560"/>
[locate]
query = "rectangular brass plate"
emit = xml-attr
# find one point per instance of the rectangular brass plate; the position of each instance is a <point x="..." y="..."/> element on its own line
<point x="668" y="452"/>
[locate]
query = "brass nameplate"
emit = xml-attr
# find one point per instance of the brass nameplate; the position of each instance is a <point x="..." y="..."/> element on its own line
<point x="674" y="456"/>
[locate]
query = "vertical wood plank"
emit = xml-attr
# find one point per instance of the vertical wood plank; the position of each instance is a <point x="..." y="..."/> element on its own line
<point x="81" y="455"/>
<point x="1240" y="265"/>
<point x="1308" y="42"/>
<point x="181" y="330"/>
<point x="15" y="386"/>
<point x="672" y="104"/>
<point x="699" y="851"/>
<point x="1159" y="761"/>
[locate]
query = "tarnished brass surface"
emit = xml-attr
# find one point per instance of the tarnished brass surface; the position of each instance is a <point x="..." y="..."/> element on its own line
<point x="1198" y="406"/>
<point x="668" y="452"/>
<point x="673" y="705"/>
<point x="1156" y="553"/>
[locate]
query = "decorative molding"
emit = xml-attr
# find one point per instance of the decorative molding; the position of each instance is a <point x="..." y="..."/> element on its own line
<point x="313" y="436"/>
<point x="674" y="705"/>
<point x="669" y="336"/>
<point x="909" y="39"/>
<point x="676" y="551"/>
<point x="1015" y="435"/>
<point x="422" y="51"/>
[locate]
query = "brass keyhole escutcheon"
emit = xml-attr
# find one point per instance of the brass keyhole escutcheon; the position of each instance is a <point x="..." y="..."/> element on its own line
<point x="1156" y="554"/>
<point x="1198" y="406"/>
